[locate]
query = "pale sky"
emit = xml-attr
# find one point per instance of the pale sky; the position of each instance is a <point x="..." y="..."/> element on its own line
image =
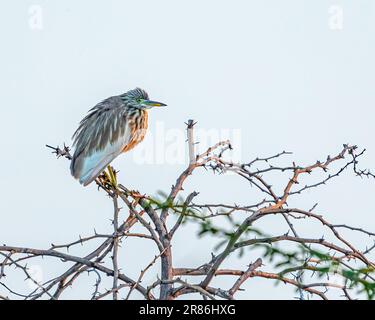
<point x="270" y="75"/>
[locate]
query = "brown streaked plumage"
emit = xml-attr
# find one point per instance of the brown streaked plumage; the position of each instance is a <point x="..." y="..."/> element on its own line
<point x="138" y="130"/>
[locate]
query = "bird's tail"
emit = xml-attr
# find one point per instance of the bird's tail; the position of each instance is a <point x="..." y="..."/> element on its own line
<point x="87" y="168"/>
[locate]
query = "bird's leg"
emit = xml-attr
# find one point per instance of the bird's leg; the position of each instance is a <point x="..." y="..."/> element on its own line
<point x="112" y="176"/>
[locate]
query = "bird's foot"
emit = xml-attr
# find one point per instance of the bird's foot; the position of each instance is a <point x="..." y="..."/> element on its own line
<point x="103" y="181"/>
<point x="108" y="180"/>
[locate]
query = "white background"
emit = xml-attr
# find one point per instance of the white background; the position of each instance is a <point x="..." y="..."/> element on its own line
<point x="277" y="71"/>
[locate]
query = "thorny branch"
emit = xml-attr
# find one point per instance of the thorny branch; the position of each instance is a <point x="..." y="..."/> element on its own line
<point x="305" y="256"/>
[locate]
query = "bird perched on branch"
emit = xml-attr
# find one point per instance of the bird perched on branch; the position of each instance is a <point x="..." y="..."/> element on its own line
<point x="112" y="127"/>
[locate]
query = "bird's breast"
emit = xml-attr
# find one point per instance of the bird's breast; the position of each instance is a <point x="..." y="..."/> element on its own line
<point x="138" y="126"/>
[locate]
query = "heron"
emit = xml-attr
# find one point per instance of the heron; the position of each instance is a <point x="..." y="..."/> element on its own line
<point x="113" y="126"/>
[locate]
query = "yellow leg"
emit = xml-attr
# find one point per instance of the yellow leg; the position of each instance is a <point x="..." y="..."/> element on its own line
<point x="112" y="176"/>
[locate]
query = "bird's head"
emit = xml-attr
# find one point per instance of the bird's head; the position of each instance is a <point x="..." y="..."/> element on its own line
<point x="138" y="98"/>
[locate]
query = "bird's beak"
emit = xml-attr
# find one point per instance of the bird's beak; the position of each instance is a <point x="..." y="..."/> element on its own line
<point x="150" y="103"/>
